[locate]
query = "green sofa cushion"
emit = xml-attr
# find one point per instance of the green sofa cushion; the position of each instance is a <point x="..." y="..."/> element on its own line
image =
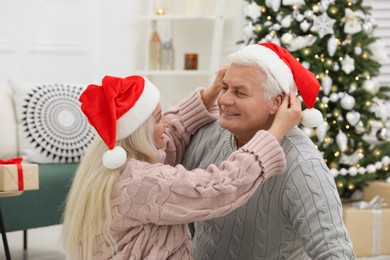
<point x="43" y="207"/>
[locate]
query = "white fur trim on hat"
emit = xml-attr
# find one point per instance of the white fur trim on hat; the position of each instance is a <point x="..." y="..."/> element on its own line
<point x="115" y="158"/>
<point x="312" y="117"/>
<point x="271" y="61"/>
<point x="139" y="113"/>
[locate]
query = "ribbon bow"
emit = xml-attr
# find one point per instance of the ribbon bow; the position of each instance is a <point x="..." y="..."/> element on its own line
<point x="376" y="202"/>
<point x="18" y="162"/>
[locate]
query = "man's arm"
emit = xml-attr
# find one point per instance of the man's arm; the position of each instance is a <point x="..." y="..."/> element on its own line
<point x="313" y="205"/>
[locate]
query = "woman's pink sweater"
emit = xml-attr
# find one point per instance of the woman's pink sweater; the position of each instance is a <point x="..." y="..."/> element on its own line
<point x="152" y="203"/>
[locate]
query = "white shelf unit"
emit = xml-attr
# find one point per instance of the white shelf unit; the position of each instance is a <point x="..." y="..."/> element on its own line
<point x="211" y="20"/>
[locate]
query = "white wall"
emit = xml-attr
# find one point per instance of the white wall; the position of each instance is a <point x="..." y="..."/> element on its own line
<point x="73" y="41"/>
<point x="80" y="41"/>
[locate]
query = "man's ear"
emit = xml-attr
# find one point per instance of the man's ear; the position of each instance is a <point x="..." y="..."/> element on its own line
<point x="276" y="102"/>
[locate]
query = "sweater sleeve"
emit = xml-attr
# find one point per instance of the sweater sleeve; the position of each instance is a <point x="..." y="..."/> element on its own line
<point x="185" y="119"/>
<point x="315" y="210"/>
<point x="166" y="195"/>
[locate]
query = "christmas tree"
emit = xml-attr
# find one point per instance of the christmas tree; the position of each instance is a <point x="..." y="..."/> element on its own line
<point x="334" y="40"/>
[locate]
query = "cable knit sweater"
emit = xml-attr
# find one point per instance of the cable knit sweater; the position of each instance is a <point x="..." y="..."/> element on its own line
<point x="152" y="204"/>
<point x="297" y="215"/>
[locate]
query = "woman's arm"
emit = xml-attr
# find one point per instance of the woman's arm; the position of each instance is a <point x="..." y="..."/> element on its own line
<point x="191" y="114"/>
<point x="166" y="195"/>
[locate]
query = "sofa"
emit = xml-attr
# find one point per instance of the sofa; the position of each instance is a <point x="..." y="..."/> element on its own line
<point x="42" y="123"/>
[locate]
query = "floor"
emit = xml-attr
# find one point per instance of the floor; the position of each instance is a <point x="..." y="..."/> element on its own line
<point x="43" y="244"/>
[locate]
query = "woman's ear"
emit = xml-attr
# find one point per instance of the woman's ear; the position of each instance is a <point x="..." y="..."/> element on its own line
<point x="276" y="102"/>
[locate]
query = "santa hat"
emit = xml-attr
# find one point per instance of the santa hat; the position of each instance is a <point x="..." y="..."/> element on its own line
<point x="116" y="109"/>
<point x="290" y="75"/>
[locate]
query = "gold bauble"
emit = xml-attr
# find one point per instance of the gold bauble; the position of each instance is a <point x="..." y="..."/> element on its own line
<point x="351" y="186"/>
<point x="377" y="152"/>
<point x="329" y="63"/>
<point x="340" y="184"/>
<point x="258" y="28"/>
<point x="336" y="112"/>
<point x="306" y="51"/>
<point x="333" y="10"/>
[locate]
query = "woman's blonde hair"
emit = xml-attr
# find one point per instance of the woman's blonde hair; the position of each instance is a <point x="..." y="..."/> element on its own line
<point x="87" y="216"/>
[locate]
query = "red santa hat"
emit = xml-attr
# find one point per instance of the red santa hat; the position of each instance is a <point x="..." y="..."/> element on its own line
<point x="290" y="75"/>
<point x="116" y="109"/>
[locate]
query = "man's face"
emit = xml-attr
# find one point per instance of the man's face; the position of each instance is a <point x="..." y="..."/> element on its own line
<point x="242" y="106"/>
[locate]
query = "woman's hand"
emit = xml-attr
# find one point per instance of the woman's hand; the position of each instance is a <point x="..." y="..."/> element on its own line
<point x="289" y="114"/>
<point x="209" y="95"/>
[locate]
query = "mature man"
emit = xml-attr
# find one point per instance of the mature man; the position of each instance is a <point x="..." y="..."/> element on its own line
<point x="296" y="215"/>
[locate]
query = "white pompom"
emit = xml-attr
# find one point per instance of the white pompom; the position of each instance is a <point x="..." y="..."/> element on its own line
<point x="115" y="158"/>
<point x="312" y="117"/>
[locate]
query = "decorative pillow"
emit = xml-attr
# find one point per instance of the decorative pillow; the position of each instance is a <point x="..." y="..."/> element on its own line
<point x="8" y="130"/>
<point x="51" y="126"/>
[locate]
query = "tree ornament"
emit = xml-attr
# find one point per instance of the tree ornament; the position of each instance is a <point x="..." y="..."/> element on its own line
<point x="342" y="141"/>
<point x="348" y="64"/>
<point x="378" y="51"/>
<point x="353" y="117"/>
<point x="325" y="5"/>
<point x="352" y="171"/>
<point x="357" y="50"/>
<point x="371" y="168"/>
<point x="306" y="64"/>
<point x="332" y="46"/>
<point x="333" y="10"/>
<point x="294" y="2"/>
<point x="359" y="128"/>
<point x="286" y="21"/>
<point x="347" y="102"/>
<point x="248" y="31"/>
<point x="380" y="109"/>
<point x="386" y="160"/>
<point x="252" y="11"/>
<point x="321" y="131"/>
<point x="352" y="21"/>
<point x="286" y="38"/>
<point x="301" y="42"/>
<point x="336" y="67"/>
<point x="334" y="97"/>
<point x="258" y="28"/>
<point x="323" y="25"/>
<point x="308" y="14"/>
<point x="367" y="27"/>
<point x="381" y="134"/>
<point x="371" y="85"/>
<point x="326" y="84"/>
<point x="273" y="4"/>
<point x="305" y="25"/>
<point x="299" y="18"/>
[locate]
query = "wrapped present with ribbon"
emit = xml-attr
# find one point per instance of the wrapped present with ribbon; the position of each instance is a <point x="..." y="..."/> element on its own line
<point x="17" y="176"/>
<point x="381" y="188"/>
<point x="368" y="224"/>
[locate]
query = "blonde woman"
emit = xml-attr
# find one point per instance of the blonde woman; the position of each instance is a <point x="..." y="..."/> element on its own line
<point x="125" y="204"/>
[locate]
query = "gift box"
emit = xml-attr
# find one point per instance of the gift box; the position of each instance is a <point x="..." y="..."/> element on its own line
<point x="369" y="230"/>
<point x="380" y="188"/>
<point x="16" y="176"/>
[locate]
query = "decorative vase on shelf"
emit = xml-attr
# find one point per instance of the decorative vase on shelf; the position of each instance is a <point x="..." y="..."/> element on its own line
<point x="168" y="56"/>
<point x="155" y="61"/>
